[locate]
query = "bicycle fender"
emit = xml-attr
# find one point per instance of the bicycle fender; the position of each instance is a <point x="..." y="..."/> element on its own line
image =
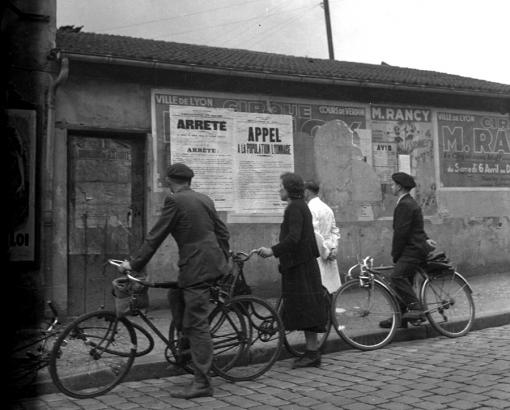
<point x="464" y="280"/>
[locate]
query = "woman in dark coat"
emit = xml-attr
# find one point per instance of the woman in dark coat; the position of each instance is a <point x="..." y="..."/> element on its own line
<point x="303" y="295"/>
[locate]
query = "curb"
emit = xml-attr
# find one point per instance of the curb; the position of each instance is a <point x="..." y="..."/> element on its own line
<point x="152" y="367"/>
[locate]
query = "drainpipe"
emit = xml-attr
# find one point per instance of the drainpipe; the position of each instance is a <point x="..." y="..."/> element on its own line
<point x="51" y="236"/>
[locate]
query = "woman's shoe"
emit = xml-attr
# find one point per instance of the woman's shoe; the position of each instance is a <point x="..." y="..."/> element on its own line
<point x="312" y="358"/>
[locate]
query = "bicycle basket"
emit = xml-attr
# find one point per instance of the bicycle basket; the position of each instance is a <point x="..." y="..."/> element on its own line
<point x="240" y="287"/>
<point x="129" y="296"/>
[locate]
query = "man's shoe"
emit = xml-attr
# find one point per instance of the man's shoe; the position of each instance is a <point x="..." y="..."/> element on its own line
<point x="386" y="324"/>
<point x="412" y="315"/>
<point x="193" y="390"/>
<point x="310" y="359"/>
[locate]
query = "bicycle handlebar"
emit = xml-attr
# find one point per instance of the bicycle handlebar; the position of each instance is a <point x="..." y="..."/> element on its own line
<point x="165" y="285"/>
<point x="242" y="256"/>
<point x="366" y="265"/>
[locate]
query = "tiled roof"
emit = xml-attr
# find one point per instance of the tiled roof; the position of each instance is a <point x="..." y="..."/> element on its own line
<point x="181" y="54"/>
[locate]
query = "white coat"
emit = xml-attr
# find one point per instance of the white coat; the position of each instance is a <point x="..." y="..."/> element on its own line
<point x="327" y="235"/>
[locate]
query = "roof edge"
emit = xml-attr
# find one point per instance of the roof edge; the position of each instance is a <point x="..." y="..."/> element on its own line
<point x="155" y="64"/>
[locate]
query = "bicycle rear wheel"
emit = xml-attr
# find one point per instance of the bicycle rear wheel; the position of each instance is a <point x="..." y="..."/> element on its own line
<point x="448" y="304"/>
<point x="294" y="340"/>
<point x="93" y="354"/>
<point x="356" y="311"/>
<point x="262" y="338"/>
<point x="229" y="337"/>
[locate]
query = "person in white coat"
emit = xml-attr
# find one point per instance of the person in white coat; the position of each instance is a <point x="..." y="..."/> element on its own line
<point x="327" y="235"/>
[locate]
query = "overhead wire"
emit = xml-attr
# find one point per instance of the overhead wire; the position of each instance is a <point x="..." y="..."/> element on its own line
<point x="178" y="17"/>
<point x="222" y="25"/>
<point x="229" y="34"/>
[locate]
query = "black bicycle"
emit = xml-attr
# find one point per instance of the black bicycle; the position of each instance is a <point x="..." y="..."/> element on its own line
<point x="367" y="299"/>
<point x="95" y="352"/>
<point x="31" y="353"/>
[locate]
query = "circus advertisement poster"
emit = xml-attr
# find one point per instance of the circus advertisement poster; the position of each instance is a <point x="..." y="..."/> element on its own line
<point x="474" y="150"/>
<point x="402" y="139"/>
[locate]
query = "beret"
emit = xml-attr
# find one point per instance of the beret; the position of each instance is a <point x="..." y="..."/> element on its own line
<point x="404" y="180"/>
<point x="180" y="171"/>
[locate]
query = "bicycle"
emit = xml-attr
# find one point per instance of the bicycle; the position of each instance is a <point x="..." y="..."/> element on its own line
<point x="31" y="353"/>
<point x="293" y="341"/>
<point x="367" y="298"/>
<point x="95" y="352"/>
<point x="261" y="323"/>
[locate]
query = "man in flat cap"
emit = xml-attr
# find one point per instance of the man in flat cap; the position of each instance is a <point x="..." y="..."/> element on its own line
<point x="202" y="238"/>
<point x="409" y="247"/>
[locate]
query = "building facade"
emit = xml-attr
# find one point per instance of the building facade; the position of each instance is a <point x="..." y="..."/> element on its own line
<point x="129" y="107"/>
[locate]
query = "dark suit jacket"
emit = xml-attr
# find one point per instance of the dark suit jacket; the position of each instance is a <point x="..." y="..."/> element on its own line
<point x="409" y="237"/>
<point x="297" y="238"/>
<point x="202" y="237"/>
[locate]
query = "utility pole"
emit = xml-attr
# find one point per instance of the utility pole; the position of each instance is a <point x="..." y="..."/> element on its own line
<point x="328" y="29"/>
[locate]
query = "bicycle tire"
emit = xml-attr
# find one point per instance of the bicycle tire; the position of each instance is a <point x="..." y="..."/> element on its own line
<point x="83" y="363"/>
<point x="230" y="335"/>
<point x="263" y="339"/>
<point x="448" y="304"/>
<point x="294" y="340"/>
<point x="357" y="310"/>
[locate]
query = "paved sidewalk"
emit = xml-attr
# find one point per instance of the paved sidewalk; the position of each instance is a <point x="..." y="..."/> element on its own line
<point x="491" y="294"/>
<point x="471" y="372"/>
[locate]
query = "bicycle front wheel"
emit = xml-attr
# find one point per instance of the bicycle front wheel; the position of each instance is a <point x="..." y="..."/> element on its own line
<point x="448" y="304"/>
<point x="93" y="354"/>
<point x="357" y="311"/>
<point x="259" y="344"/>
<point x="294" y="340"/>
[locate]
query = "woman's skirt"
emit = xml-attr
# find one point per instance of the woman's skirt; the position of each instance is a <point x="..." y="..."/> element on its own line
<point x="305" y="304"/>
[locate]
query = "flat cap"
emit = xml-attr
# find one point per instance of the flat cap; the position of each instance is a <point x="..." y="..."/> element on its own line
<point x="179" y="171"/>
<point x="404" y="180"/>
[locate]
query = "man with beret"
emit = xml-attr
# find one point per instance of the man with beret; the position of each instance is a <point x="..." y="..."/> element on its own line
<point x="202" y="238"/>
<point x="409" y="248"/>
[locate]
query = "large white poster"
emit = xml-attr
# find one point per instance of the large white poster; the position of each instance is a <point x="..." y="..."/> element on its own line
<point x="237" y="157"/>
<point x="264" y="151"/>
<point x="202" y="139"/>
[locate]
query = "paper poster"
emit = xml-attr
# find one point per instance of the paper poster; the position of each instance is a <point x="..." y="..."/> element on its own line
<point x="21" y="134"/>
<point x="202" y="138"/>
<point x="474" y="149"/>
<point x="404" y="163"/>
<point x="365" y="144"/>
<point x="237" y="157"/>
<point x="264" y="151"/>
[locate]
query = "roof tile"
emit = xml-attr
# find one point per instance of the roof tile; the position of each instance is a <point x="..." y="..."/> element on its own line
<point x="254" y="61"/>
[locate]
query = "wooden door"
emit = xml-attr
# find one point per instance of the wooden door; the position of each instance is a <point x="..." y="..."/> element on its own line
<point x="106" y="209"/>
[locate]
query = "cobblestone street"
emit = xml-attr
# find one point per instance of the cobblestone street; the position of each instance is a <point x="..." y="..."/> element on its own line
<point x="472" y="372"/>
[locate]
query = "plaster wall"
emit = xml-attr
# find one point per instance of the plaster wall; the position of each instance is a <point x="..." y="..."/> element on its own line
<point x="472" y="226"/>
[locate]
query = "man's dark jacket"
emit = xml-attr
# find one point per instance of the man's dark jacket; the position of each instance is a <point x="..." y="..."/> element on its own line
<point x="297" y="238"/>
<point x="202" y="237"/>
<point x="409" y="237"/>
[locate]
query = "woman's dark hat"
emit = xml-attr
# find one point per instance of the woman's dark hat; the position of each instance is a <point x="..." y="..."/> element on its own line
<point x="179" y="171"/>
<point x="404" y="180"/>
